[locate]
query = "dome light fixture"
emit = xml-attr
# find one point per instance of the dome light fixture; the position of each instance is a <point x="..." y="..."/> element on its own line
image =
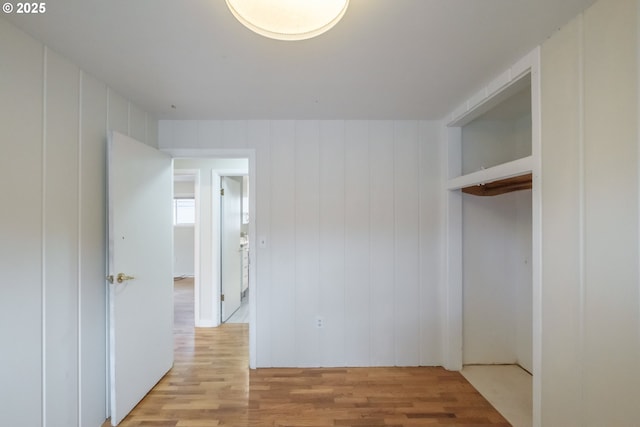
<point x="288" y="19"/>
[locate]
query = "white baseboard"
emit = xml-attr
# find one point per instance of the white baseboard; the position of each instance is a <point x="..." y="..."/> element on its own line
<point x="183" y="275"/>
<point x="206" y="323"/>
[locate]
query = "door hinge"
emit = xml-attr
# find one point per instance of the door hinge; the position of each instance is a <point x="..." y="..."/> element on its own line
<point x="222" y="191"/>
<point x="222" y="297"/>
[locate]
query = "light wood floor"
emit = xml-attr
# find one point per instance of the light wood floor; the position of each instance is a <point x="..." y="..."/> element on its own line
<point x="211" y="385"/>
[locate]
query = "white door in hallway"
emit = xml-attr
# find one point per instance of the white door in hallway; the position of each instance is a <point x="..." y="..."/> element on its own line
<point x="140" y="267"/>
<point x="231" y="265"/>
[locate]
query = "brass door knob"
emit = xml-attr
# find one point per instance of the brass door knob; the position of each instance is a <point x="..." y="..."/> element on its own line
<point x="122" y="277"/>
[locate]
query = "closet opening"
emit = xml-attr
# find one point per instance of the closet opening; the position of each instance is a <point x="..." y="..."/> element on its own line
<point x="492" y="153"/>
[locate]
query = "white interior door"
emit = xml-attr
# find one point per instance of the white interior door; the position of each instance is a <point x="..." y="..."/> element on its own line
<point x="231" y="265"/>
<point x="140" y="245"/>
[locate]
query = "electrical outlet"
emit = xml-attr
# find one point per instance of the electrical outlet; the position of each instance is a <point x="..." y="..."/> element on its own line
<point x="319" y="322"/>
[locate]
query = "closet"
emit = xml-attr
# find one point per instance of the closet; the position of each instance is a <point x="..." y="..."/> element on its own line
<point x="492" y="270"/>
<point x="496" y="237"/>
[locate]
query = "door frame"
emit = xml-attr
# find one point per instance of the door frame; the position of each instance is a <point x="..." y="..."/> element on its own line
<point x="219" y="174"/>
<point x="250" y="154"/>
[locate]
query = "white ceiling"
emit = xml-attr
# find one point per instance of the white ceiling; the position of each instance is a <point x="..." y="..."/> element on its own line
<point x="387" y="59"/>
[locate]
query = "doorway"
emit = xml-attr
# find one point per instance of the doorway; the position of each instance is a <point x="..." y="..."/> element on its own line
<point x="213" y="164"/>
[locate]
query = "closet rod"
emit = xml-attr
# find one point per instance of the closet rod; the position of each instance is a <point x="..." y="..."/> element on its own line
<point x="502" y="186"/>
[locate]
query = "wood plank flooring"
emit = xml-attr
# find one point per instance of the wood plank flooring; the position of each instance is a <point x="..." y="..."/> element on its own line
<point x="211" y="385"/>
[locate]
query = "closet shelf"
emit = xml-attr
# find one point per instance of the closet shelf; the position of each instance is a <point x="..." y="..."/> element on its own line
<point x="511" y="169"/>
<point x="502" y="186"/>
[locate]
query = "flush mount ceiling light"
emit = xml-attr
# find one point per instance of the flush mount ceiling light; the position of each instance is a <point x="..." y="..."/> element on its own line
<point x="288" y="19"/>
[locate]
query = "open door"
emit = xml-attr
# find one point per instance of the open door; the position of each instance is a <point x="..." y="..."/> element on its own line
<point x="140" y="271"/>
<point x="231" y="263"/>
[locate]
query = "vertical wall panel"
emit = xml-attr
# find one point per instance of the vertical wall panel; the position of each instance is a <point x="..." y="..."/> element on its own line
<point x="452" y="290"/>
<point x="431" y="232"/>
<point x="93" y="251"/>
<point x="407" y="238"/>
<point x="561" y="293"/>
<point x="357" y="267"/>
<point x="21" y="71"/>
<point x="61" y="242"/>
<point x="281" y="240"/>
<point x="331" y="297"/>
<point x="307" y="217"/>
<point x="612" y="339"/>
<point x="259" y="137"/>
<point x="382" y="243"/>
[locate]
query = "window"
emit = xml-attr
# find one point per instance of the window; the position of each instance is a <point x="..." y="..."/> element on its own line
<point x="184" y="211"/>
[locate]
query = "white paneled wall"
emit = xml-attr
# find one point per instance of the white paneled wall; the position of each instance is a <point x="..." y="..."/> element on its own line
<point x="307" y="242"/>
<point x="331" y="304"/>
<point x="406" y="230"/>
<point x="21" y="253"/>
<point x="590" y="294"/>
<point x="60" y="240"/>
<point x="52" y="234"/>
<point x="382" y="243"/>
<point x="92" y="249"/>
<point x="351" y="213"/>
<point x="431" y="254"/>
<point x="357" y="277"/>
